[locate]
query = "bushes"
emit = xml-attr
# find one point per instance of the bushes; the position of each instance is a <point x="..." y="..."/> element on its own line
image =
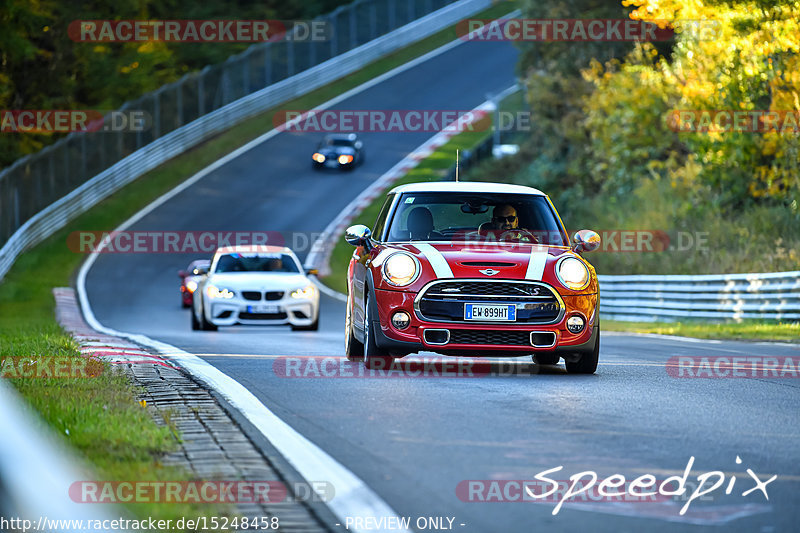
<point x="605" y="150"/>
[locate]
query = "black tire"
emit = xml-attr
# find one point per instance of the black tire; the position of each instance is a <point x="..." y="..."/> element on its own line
<point x="588" y="361"/>
<point x="205" y="325"/>
<point x="353" y="348"/>
<point x="374" y="357"/>
<point x="195" y="323"/>
<point x="546" y="358"/>
<point x="314" y="326"/>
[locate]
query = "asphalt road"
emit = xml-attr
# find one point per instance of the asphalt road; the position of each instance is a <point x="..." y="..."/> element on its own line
<point x="414" y="441"/>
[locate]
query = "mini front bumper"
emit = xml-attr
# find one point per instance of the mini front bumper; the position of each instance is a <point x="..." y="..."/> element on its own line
<point x="483" y="339"/>
<point x="288" y="310"/>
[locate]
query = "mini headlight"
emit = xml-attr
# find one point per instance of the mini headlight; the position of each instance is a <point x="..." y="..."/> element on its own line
<point x="304" y="292"/>
<point x="216" y="292"/>
<point x="191" y="286"/>
<point x="573" y="274"/>
<point x="344" y="159"/>
<point x="400" y="269"/>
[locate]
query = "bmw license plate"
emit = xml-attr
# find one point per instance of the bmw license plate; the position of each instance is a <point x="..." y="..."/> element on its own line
<point x="262" y="309"/>
<point x="500" y="313"/>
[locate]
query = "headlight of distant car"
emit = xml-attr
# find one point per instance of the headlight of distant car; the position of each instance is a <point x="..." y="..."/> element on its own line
<point x="218" y="292"/>
<point x="318" y="157"/>
<point x="400" y="269"/>
<point x="344" y="159"/>
<point x="573" y="274"/>
<point x="304" y="292"/>
<point x="191" y="286"/>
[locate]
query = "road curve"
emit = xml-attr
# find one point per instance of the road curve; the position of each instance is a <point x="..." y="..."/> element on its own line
<point x="414" y="441"/>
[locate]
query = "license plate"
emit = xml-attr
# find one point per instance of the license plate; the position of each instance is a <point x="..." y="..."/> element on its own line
<point x="500" y="313"/>
<point x="262" y="309"/>
<point x="332" y="163"/>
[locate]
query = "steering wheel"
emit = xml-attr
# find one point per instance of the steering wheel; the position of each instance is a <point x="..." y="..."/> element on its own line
<point x="519" y="235"/>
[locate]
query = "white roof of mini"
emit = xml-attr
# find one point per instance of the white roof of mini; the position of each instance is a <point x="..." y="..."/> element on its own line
<point x="253" y="249"/>
<point x="466" y="186"/>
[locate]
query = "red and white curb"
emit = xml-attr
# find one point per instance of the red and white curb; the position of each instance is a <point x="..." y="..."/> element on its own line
<point x="94" y="345"/>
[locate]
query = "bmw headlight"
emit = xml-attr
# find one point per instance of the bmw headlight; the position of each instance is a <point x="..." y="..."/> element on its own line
<point x="217" y="292"/>
<point x="304" y="292"/>
<point x="400" y="269"/>
<point x="573" y="274"/>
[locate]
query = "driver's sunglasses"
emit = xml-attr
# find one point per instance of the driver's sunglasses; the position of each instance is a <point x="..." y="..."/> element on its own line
<point x="509" y="218"/>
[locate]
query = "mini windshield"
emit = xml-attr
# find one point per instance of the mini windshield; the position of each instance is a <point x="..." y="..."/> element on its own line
<point x="253" y="262"/>
<point x="448" y="216"/>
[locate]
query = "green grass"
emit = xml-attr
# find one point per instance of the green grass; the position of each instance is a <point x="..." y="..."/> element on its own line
<point x="106" y="424"/>
<point x="98" y="416"/>
<point x="745" y="330"/>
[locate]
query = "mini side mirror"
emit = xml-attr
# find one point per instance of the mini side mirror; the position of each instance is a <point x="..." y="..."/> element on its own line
<point x="585" y="241"/>
<point x="358" y="235"/>
<point x="312" y="272"/>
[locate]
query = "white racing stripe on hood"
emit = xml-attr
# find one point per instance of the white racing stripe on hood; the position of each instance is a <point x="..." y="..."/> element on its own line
<point x="536" y="264"/>
<point x="436" y="259"/>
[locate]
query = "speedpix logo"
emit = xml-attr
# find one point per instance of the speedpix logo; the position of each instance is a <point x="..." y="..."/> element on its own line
<point x="586" y="486"/>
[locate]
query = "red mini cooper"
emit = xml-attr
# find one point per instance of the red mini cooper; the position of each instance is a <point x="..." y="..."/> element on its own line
<point x="471" y="269"/>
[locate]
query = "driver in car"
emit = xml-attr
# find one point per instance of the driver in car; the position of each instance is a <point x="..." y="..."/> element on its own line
<point x="505" y="219"/>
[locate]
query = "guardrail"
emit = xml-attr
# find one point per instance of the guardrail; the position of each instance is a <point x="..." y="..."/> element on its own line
<point x="34" y="197"/>
<point x="771" y="296"/>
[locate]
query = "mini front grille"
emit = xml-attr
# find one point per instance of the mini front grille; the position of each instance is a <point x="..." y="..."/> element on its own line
<point x="489" y="337"/>
<point x="444" y="301"/>
<point x="273" y="295"/>
<point x="484" y="289"/>
<point x="251" y="295"/>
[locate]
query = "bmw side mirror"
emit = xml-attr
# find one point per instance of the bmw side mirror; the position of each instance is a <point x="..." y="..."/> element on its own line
<point x="585" y="241"/>
<point x="358" y="235"/>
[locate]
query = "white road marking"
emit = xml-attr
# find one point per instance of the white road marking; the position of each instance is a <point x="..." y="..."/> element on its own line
<point x="353" y="496"/>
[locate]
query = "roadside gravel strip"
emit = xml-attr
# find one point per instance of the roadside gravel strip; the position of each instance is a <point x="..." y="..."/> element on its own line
<point x="213" y="446"/>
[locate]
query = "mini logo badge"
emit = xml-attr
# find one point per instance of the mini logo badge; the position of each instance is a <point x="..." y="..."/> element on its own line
<point x="489" y="272"/>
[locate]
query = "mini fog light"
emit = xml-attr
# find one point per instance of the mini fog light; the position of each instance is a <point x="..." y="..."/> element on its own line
<point x="575" y="324"/>
<point x="401" y="320"/>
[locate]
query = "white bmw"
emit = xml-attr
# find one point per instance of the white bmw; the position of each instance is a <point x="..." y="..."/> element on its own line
<point x="256" y="285"/>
